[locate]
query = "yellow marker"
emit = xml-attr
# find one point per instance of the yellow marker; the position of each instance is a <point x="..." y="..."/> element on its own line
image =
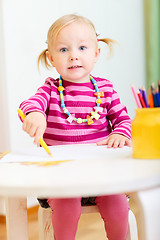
<point x="41" y="141"/>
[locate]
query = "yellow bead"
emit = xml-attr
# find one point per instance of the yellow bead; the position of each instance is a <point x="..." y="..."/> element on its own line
<point x="60" y="88"/>
<point x="95" y="115"/>
<point x="79" y="120"/>
<point x="98" y="101"/>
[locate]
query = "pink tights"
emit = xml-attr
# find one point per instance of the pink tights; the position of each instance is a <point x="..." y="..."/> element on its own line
<point x="113" y="210"/>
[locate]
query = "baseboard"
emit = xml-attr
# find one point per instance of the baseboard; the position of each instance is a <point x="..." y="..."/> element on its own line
<point x="32" y="214"/>
<point x="2" y="219"/>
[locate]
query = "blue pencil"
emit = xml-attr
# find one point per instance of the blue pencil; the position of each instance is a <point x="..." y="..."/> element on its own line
<point x="158" y="98"/>
<point x="154" y="98"/>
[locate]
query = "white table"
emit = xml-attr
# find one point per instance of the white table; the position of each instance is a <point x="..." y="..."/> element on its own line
<point x="93" y="171"/>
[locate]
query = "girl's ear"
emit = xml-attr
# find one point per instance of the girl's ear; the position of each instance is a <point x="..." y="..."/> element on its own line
<point x="97" y="54"/>
<point x="49" y="56"/>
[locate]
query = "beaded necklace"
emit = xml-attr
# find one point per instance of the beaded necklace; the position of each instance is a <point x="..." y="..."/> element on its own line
<point x="97" y="108"/>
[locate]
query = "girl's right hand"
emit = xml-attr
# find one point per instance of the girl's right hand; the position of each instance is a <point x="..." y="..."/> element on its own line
<point x="35" y="124"/>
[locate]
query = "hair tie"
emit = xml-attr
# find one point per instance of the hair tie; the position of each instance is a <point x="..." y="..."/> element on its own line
<point x="97" y="39"/>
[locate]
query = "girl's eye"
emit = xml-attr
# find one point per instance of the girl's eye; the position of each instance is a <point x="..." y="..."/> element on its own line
<point x="83" y="48"/>
<point x="63" y="49"/>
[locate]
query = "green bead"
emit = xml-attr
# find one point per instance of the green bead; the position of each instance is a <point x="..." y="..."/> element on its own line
<point x="79" y="120"/>
<point x="61" y="96"/>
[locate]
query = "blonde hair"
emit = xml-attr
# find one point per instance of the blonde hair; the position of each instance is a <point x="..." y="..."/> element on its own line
<point x="56" y="28"/>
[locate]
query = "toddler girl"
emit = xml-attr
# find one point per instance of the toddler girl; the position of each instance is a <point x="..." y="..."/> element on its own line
<point x="78" y="108"/>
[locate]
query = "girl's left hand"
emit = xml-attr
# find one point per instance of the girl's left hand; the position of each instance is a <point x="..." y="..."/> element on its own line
<point x="116" y="141"/>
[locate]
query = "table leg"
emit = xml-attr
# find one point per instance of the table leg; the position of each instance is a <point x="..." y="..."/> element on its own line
<point x="16" y="219"/>
<point x="146" y="208"/>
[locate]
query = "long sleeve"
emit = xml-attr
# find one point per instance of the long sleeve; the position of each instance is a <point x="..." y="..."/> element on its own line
<point x="39" y="102"/>
<point x="117" y="114"/>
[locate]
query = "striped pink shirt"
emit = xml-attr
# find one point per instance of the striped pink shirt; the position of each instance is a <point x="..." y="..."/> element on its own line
<point x="79" y="100"/>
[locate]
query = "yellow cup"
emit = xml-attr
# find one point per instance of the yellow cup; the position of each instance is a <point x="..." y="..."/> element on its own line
<point x="146" y="133"/>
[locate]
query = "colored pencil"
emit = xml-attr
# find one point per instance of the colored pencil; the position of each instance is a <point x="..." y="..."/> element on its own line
<point x="159" y="87"/>
<point x="144" y="95"/>
<point x="150" y="99"/>
<point x="136" y="97"/>
<point x="157" y="98"/>
<point x="154" y="98"/>
<point x="140" y="89"/>
<point x="141" y="100"/>
<point x="152" y="88"/>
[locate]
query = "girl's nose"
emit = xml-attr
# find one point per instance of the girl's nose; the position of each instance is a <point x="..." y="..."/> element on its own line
<point x="73" y="56"/>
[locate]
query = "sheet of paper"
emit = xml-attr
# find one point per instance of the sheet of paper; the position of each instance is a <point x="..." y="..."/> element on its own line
<point x="64" y="152"/>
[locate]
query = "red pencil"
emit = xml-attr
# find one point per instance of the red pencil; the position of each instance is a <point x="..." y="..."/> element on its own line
<point x="141" y="99"/>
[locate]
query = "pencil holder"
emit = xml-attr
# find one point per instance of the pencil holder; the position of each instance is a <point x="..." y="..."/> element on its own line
<point x="146" y="133"/>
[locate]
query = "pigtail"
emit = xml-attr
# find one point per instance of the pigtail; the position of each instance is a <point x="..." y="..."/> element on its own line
<point x="110" y="42"/>
<point x="43" y="59"/>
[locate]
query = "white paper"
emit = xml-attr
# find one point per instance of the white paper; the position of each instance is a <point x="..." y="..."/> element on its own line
<point x="65" y="152"/>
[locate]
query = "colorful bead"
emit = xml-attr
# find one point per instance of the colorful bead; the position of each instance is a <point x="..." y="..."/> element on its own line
<point x="68" y="113"/>
<point x="70" y="118"/>
<point x="79" y="120"/>
<point x="89" y="120"/>
<point x="62" y="103"/>
<point x="95" y="115"/>
<point x="102" y="94"/>
<point x="99" y="94"/>
<point x="60" y="81"/>
<point x="98" y="109"/>
<point x="60" y="88"/>
<point x="93" y="81"/>
<point x="65" y="110"/>
<point x="98" y="101"/>
<point x="96" y="87"/>
<point x="61" y="96"/>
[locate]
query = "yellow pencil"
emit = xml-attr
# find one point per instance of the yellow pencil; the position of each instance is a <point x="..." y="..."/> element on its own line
<point x="41" y="141"/>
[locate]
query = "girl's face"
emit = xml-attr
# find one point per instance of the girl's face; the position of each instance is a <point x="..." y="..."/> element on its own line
<point x="74" y="52"/>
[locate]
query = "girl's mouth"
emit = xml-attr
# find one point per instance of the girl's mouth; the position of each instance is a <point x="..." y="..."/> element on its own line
<point x="75" y="67"/>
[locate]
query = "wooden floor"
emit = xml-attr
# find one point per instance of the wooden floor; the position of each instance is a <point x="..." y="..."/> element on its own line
<point x="90" y="226"/>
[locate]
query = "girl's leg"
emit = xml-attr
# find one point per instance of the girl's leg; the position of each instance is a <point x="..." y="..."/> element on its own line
<point x="114" y="211"/>
<point x="65" y="216"/>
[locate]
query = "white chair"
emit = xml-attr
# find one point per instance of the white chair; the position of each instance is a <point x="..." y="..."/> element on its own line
<point x="46" y="229"/>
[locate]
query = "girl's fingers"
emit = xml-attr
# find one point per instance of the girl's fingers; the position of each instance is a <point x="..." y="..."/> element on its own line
<point x="32" y="131"/>
<point x="116" y="143"/>
<point x="38" y="135"/>
<point x="110" y="143"/>
<point x="29" y="128"/>
<point x="122" y="143"/>
<point x="103" y="142"/>
<point x="128" y="142"/>
<point x="35" y="124"/>
<point x="26" y="126"/>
